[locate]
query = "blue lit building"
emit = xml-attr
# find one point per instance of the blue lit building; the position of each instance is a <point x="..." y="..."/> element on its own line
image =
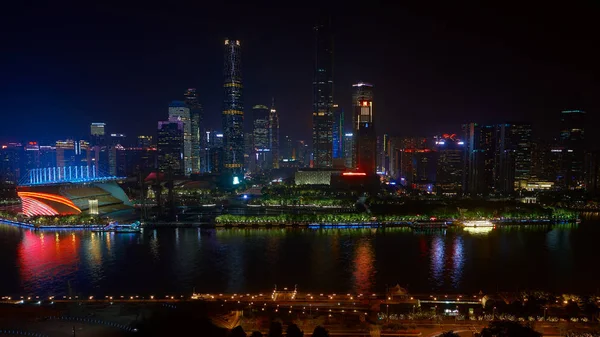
<point x="338" y="132"/>
<point x="233" y="109"/>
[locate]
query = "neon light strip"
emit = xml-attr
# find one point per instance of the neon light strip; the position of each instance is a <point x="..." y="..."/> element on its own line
<point x="51" y="197"/>
<point x="32" y="207"/>
<point x="354" y="174"/>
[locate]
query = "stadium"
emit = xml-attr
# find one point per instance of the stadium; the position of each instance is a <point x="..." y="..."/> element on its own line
<point x="72" y="190"/>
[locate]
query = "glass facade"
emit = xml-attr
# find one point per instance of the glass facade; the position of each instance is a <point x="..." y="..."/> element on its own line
<point x="233" y="109"/>
<point x="322" y="133"/>
<point x="364" y="128"/>
<point x="192" y="102"/>
<point x="179" y="111"/>
<point x="171" y="146"/>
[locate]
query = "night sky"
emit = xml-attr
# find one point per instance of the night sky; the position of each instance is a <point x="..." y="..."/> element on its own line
<point x="66" y="64"/>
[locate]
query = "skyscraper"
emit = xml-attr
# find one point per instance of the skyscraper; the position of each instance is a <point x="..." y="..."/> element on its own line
<point x="97" y="132"/>
<point x="364" y="128"/>
<point x="233" y="109"/>
<point x="192" y="102"/>
<point x="274" y="135"/>
<point x="322" y="133"/>
<point x="338" y="132"/>
<point x="261" y="137"/>
<point x="450" y="158"/>
<point x="349" y="150"/>
<point x="522" y="142"/>
<point x="170" y="141"/>
<point x="572" y="140"/>
<point x="178" y="110"/>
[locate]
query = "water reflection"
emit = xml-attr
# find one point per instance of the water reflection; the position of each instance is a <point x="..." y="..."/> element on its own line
<point x="364" y="269"/>
<point x="458" y="261"/>
<point x="43" y="265"/>
<point x="237" y="260"/>
<point x="437" y="260"/>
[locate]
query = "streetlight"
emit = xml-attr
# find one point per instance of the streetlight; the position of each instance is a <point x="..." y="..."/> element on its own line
<point x="387" y="312"/>
<point x="494" y="314"/>
<point x="545" y="308"/>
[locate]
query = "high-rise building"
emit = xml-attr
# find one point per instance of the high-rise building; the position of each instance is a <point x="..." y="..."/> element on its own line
<point x="97" y="134"/>
<point x="287" y="149"/>
<point x="144" y="141"/>
<point x="233" y="109"/>
<point x="522" y="144"/>
<point x="11" y="157"/>
<point x="117" y="139"/>
<point x="170" y="146"/>
<point x="322" y="133"/>
<point x="338" y="132"/>
<point x="274" y="135"/>
<point x="302" y="154"/>
<point x="349" y="150"/>
<point x="450" y="164"/>
<point x="364" y="128"/>
<point x="261" y="131"/>
<point x="196" y="116"/>
<point x="212" y="142"/>
<point x="572" y="139"/>
<point x="178" y="110"/>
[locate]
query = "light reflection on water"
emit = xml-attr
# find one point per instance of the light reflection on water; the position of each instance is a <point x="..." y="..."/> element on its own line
<point x="349" y="260"/>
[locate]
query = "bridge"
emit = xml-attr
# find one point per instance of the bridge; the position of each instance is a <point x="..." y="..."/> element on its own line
<point x="65" y="174"/>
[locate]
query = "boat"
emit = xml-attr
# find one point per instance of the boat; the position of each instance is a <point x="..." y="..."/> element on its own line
<point x="477" y="223"/>
<point x="115" y="227"/>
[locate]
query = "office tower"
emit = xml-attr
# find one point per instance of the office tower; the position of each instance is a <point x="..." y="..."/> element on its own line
<point x="233" y="109"/>
<point x="170" y="146"/>
<point x="261" y="131"/>
<point x="382" y="159"/>
<point x="178" y="110"/>
<point x="274" y="135"/>
<point x="302" y="154"/>
<point x="287" y="149"/>
<point x="11" y="157"/>
<point x="32" y="156"/>
<point x="450" y="164"/>
<point x="322" y="133"/>
<point x="144" y="141"/>
<point x="97" y="133"/>
<point x="349" y="150"/>
<point x="364" y="129"/>
<point x="338" y="132"/>
<point x="75" y="153"/>
<point x="572" y="140"/>
<point x="540" y="159"/>
<point x="117" y="139"/>
<point x="250" y="161"/>
<point x="522" y="144"/>
<point x="196" y="116"/>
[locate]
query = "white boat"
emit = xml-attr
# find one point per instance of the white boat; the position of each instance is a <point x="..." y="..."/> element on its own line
<point x="477" y="223"/>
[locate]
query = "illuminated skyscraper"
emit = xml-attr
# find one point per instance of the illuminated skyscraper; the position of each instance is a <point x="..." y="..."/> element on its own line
<point x="192" y="102"/>
<point x="179" y="111"/>
<point x="338" y="132"/>
<point x="170" y="141"/>
<point x="233" y="109"/>
<point x="572" y="139"/>
<point x="274" y="135"/>
<point x="322" y="133"/>
<point x="261" y="132"/>
<point x="97" y="132"/>
<point x="349" y="150"/>
<point x="364" y="128"/>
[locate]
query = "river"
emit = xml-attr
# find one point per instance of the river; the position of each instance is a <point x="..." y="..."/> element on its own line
<point x="163" y="261"/>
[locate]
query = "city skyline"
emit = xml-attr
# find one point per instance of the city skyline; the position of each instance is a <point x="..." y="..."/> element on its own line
<point x="441" y="99"/>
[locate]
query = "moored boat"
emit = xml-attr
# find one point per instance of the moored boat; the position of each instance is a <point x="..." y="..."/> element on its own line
<point x="115" y="227"/>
